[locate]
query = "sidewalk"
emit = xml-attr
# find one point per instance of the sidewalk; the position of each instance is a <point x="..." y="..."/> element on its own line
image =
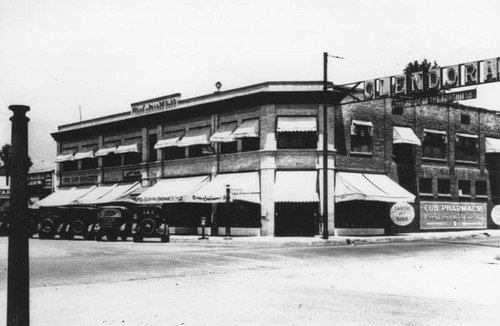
<point x="265" y="241"/>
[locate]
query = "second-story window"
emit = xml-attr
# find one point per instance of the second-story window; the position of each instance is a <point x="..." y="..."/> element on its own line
<point x="297" y="132"/>
<point x="87" y="158"/>
<point x="111" y="160"/>
<point x="248" y="132"/>
<point x="168" y="145"/>
<point x="69" y="166"/>
<point x="66" y="160"/>
<point x="361" y="136"/>
<point x="434" y="144"/>
<point x="131" y="153"/>
<point x="152" y="152"/>
<point x="224" y="136"/>
<point x="466" y="147"/>
<point x="197" y="140"/>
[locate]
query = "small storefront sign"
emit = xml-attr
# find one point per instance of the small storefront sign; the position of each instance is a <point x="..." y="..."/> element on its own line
<point x="495" y="214"/>
<point x="402" y="214"/>
<point x="5" y="193"/>
<point x="452" y="215"/>
<point x="79" y="180"/>
<point x="40" y="180"/>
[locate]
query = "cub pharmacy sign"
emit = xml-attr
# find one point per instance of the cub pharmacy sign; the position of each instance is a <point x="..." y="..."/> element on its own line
<point x="452" y="215"/>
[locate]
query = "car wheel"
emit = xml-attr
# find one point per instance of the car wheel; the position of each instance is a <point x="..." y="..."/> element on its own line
<point x="98" y="237"/>
<point x="78" y="227"/>
<point x="47" y="229"/>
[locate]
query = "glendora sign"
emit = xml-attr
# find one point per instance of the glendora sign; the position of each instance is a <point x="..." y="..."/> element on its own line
<point x="440" y="78"/>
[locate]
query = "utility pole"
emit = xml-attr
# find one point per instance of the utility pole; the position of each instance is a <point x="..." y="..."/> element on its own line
<point x="325" y="146"/>
<point x="18" y="312"/>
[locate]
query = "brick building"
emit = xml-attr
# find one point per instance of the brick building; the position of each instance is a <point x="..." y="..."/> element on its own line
<point x="251" y="159"/>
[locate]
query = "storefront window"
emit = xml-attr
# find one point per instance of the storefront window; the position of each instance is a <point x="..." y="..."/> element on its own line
<point x="361" y="136"/>
<point x="434" y="144"/>
<point x="466" y="148"/>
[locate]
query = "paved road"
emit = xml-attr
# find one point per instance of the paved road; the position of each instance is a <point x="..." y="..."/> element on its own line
<point x="125" y="283"/>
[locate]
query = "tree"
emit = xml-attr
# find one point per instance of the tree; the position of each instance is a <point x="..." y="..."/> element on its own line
<point x="5" y="156"/>
<point x="424" y="67"/>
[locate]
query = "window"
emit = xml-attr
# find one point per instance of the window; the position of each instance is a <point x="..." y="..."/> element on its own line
<point x="297" y="140"/>
<point x="361" y="136"/>
<point x="481" y="189"/>
<point x="152" y="152"/>
<point x="231" y="147"/>
<point x="464" y="187"/>
<point x="69" y="166"/>
<point x="434" y="144"/>
<point x="132" y="158"/>
<point x="199" y="150"/>
<point x="297" y="132"/>
<point x="174" y="153"/>
<point x="250" y="144"/>
<point x="465" y="119"/>
<point x="444" y="186"/>
<point x="89" y="163"/>
<point x="466" y="148"/>
<point x="425" y="185"/>
<point x="112" y="159"/>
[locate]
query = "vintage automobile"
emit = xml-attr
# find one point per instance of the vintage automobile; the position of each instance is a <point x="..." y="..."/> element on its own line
<point x="50" y="222"/>
<point x="33" y="220"/>
<point x="113" y="222"/>
<point x="77" y="221"/>
<point x="150" y="222"/>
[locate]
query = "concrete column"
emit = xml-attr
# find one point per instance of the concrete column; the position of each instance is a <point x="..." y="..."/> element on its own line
<point x="268" y="127"/>
<point x="267" y="174"/>
<point x="100" y="144"/>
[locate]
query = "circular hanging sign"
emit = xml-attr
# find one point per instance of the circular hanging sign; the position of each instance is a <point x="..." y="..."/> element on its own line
<point x="402" y="214"/>
<point x="495" y="214"/>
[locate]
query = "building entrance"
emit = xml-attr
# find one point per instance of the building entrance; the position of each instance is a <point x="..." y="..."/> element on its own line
<point x="296" y="219"/>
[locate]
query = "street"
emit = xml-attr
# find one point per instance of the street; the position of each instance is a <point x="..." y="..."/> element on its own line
<point x="126" y="283"/>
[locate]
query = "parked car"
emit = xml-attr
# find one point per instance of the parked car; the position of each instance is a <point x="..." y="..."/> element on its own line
<point x="150" y="222"/>
<point x="33" y="220"/>
<point x="78" y="221"/>
<point x="113" y="222"/>
<point x="50" y="222"/>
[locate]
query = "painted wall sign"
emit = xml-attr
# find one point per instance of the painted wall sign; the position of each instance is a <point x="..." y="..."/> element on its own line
<point x="495" y="214"/>
<point x="402" y="214"/>
<point x="79" y="180"/>
<point x="155" y="105"/>
<point x="437" y="99"/>
<point x="452" y="215"/>
<point x="42" y="179"/>
<point x="439" y="78"/>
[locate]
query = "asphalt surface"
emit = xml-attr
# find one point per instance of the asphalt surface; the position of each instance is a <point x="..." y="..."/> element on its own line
<point x="441" y="282"/>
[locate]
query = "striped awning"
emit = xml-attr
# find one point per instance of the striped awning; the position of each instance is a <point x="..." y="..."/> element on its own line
<point x="65" y="197"/>
<point x="198" y="136"/>
<point x="244" y="186"/>
<point x="118" y="193"/>
<point x="296" y="187"/>
<point x="224" y="133"/>
<point x="64" y="157"/>
<point x="404" y="135"/>
<point x="367" y="186"/>
<point x="130" y="148"/>
<point x="172" y="190"/>
<point x="247" y="129"/>
<point x="82" y="155"/>
<point x="105" y="151"/>
<point x="169" y="140"/>
<point x="297" y="124"/>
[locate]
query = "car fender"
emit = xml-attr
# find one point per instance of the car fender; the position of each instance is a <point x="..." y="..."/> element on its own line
<point x="60" y="228"/>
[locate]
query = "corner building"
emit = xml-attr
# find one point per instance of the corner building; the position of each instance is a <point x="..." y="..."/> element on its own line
<point x="250" y="159"/>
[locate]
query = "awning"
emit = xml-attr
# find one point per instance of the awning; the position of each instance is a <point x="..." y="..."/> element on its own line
<point x="247" y="129"/>
<point x="296" y="187"/>
<point x="172" y="190"/>
<point x="64" y="158"/>
<point x="198" y="136"/>
<point x="492" y="145"/>
<point x="82" y="155"/>
<point x="93" y="196"/>
<point x="434" y="131"/>
<point x="297" y="124"/>
<point x="244" y="186"/>
<point x="119" y="193"/>
<point x="366" y="186"/>
<point x="105" y="151"/>
<point x="467" y="136"/>
<point x="64" y="197"/>
<point x="224" y="133"/>
<point x="404" y="135"/>
<point x="170" y="140"/>
<point x="130" y="148"/>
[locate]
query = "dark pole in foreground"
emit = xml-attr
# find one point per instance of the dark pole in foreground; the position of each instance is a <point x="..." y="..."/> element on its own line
<point x="325" y="147"/>
<point x="18" y="311"/>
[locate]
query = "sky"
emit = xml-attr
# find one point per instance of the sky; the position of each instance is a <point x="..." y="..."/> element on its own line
<point x="58" y="56"/>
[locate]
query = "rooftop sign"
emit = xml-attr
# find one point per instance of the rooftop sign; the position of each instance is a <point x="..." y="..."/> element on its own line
<point x="155" y="105"/>
<point x="439" y="78"/>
